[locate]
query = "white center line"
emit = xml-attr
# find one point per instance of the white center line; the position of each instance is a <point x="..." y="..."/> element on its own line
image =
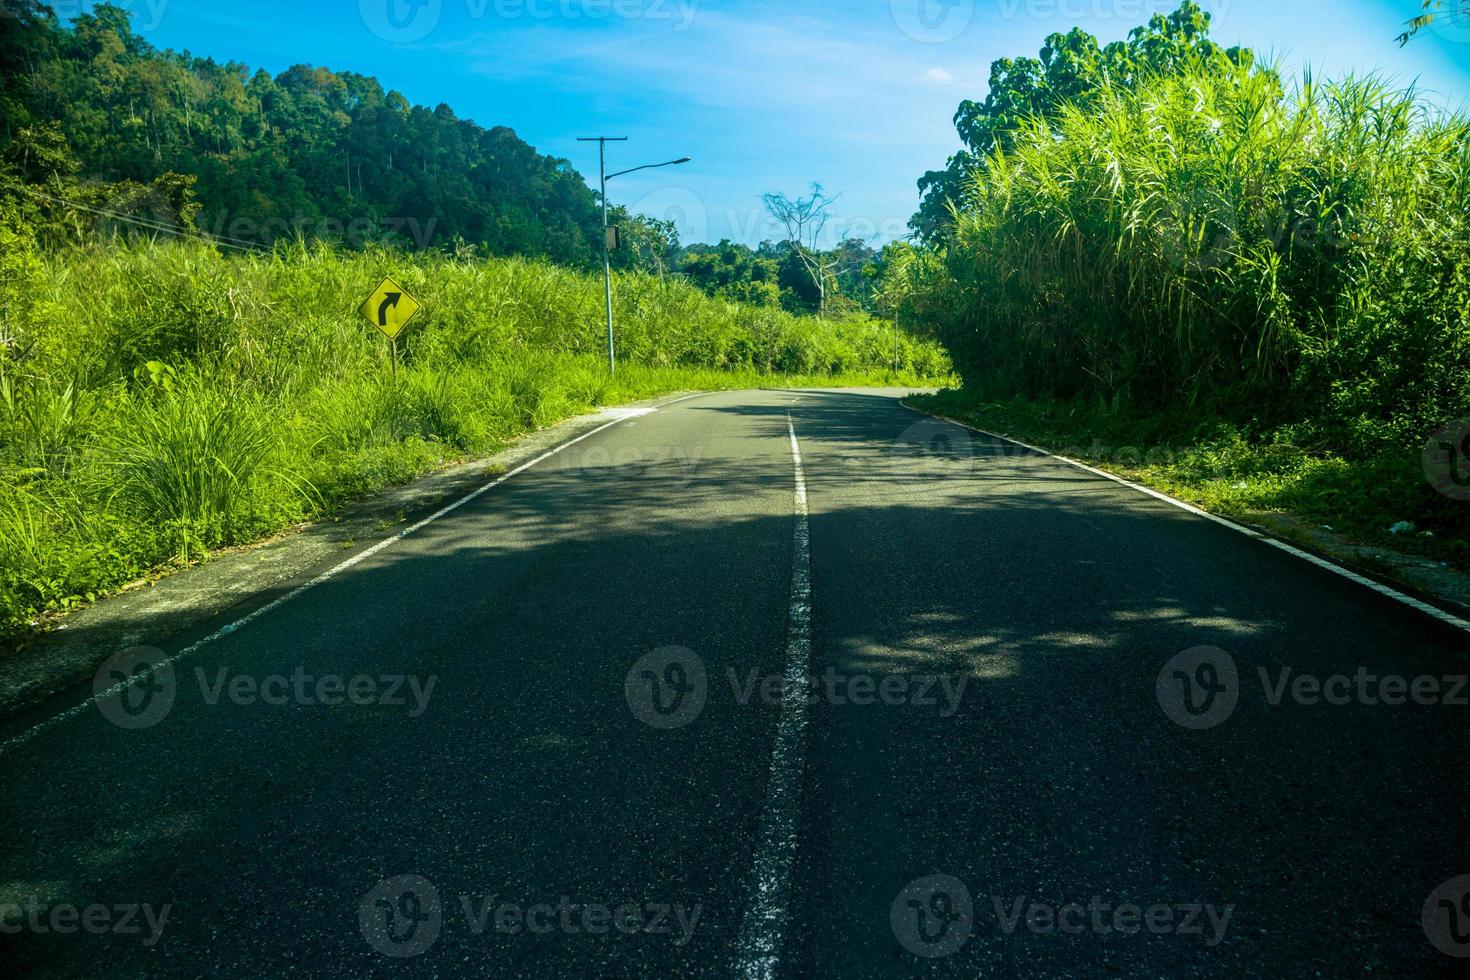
<point x="759" y="950"/>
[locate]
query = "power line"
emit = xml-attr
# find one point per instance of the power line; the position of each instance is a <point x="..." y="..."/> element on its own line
<point x="148" y="223"/>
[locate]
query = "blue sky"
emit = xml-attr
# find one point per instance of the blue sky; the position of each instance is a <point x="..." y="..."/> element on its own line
<point x="764" y="95"/>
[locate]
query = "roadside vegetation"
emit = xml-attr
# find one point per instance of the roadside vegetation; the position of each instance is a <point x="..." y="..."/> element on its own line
<point x="159" y="399"/>
<point x="1167" y="246"/>
<point x="183" y="248"/>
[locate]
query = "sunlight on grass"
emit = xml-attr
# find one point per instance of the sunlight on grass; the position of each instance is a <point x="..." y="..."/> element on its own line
<point x="184" y="400"/>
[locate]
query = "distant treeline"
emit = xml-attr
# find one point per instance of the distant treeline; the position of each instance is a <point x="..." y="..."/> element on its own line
<point x="773" y="274"/>
<point x="107" y="134"/>
<point x="92" y="113"/>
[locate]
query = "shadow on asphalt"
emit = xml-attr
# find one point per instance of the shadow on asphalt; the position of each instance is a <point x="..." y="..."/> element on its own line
<point x="1055" y="595"/>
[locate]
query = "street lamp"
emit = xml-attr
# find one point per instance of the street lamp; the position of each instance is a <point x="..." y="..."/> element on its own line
<point x="602" y="141"/>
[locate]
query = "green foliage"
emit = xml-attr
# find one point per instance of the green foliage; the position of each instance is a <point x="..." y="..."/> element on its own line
<point x="1072" y="72"/>
<point x="185" y="400"/>
<point x="187" y="457"/>
<point x="648" y="244"/>
<point x="44" y="424"/>
<point x="734" y="272"/>
<point x="775" y="275"/>
<point x="1203" y="241"/>
<point x="21" y="273"/>
<point x="309" y="153"/>
<point x="1432" y="12"/>
<point x="1198" y="243"/>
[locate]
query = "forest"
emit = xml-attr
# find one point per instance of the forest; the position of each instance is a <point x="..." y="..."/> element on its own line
<point x="91" y="113"/>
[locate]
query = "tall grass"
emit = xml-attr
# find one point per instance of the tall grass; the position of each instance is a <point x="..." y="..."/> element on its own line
<point x="1207" y="239"/>
<point x="158" y="400"/>
<point x="188" y="458"/>
<point x="1213" y="246"/>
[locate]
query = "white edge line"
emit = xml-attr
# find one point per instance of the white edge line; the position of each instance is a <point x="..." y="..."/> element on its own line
<point x="758" y="951"/>
<point x="77" y="709"/>
<point x="1383" y="590"/>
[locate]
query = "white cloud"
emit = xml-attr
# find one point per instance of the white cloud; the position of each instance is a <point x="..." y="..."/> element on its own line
<point x="939" y="75"/>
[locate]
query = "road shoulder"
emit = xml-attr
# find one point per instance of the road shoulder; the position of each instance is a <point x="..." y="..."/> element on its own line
<point x="152" y="610"/>
<point x="1433" y="582"/>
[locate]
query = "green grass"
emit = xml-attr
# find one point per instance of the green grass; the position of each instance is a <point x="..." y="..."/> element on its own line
<point x="1210" y="242"/>
<point x="159" y="401"/>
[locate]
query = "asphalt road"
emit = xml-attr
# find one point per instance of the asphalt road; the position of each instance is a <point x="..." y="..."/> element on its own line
<point x="546" y="736"/>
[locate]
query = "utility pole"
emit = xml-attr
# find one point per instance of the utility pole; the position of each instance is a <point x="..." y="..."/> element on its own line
<point x="895" y="342"/>
<point x="602" y="141"/>
<point x="603" y="178"/>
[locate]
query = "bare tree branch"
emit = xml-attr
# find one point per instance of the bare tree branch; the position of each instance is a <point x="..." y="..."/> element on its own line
<point x="805" y="219"/>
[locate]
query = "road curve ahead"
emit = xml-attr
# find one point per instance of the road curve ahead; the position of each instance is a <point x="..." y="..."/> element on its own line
<point x="779" y="683"/>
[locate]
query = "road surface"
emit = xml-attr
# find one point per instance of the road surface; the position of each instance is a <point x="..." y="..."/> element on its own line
<point x="1046" y="732"/>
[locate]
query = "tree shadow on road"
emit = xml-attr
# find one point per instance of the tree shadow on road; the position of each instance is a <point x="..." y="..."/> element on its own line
<point x="1057" y="597"/>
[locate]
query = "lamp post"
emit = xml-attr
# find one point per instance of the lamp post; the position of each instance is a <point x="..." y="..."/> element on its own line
<point x="602" y="141"/>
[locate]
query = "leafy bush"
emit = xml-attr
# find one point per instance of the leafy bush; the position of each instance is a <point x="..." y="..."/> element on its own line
<point x="187" y="458"/>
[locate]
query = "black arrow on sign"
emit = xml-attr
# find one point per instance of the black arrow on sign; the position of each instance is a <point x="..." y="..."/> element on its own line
<point x="390" y="300"/>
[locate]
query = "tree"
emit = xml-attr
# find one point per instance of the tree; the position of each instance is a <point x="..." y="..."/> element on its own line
<point x="805" y="219"/>
<point x="907" y="279"/>
<point x="1071" y="70"/>
<point x="26" y="28"/>
<point x="733" y="272"/>
<point x="854" y="267"/>
<point x="40" y="155"/>
<point x="648" y="244"/>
